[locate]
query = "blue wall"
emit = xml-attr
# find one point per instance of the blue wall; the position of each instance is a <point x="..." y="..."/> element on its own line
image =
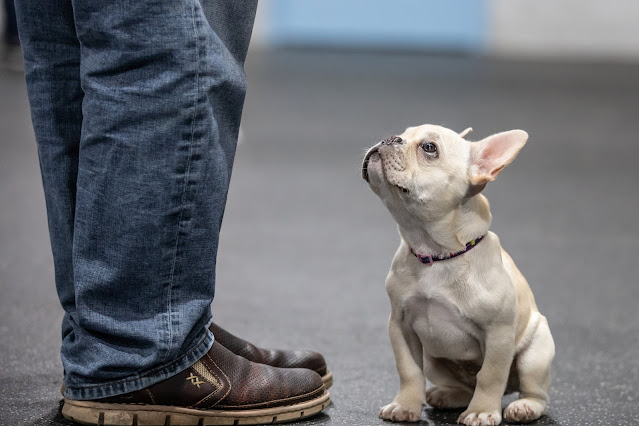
<point x="401" y="24"/>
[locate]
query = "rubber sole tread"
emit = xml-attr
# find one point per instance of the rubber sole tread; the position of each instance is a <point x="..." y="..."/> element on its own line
<point x="100" y="414"/>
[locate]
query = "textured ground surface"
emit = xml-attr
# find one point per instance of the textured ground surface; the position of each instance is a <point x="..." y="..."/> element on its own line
<point x="306" y="245"/>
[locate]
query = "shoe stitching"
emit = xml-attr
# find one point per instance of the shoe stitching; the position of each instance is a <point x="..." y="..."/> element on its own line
<point x="201" y="369"/>
<point x="205" y="409"/>
<point x="216" y="390"/>
<point x="225" y="376"/>
<point x="273" y="400"/>
<point x="151" y="395"/>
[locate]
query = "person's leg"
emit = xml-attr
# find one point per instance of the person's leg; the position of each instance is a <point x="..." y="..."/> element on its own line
<point x="10" y="25"/>
<point x="136" y="182"/>
<point x="162" y="102"/>
<point x="162" y="107"/>
<point x="52" y="70"/>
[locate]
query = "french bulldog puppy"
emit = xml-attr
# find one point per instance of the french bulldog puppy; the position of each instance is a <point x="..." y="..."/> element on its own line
<point x="462" y="315"/>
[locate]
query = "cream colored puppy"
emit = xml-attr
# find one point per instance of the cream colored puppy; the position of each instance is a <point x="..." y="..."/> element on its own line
<point x="462" y="315"/>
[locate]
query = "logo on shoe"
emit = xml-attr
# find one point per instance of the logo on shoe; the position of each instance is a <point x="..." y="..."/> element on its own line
<point x="195" y="380"/>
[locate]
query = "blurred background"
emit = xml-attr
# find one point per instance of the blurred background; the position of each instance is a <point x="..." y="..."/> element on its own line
<point x="306" y="245"/>
<point x="587" y="30"/>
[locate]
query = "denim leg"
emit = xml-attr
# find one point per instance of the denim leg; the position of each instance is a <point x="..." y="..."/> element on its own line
<point x="10" y="24"/>
<point x="52" y="70"/>
<point x="163" y="96"/>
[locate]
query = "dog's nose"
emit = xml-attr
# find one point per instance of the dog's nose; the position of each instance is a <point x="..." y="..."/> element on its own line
<point x="393" y="140"/>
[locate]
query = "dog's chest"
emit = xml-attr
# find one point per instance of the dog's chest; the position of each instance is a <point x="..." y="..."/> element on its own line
<point x="441" y="328"/>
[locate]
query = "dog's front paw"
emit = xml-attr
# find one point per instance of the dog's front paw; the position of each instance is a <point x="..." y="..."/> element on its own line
<point x="401" y="412"/>
<point x="472" y="417"/>
<point x="524" y="410"/>
<point x="447" y="397"/>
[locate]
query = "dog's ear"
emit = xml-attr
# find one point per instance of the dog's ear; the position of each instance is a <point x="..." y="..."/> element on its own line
<point x="489" y="156"/>
<point x="466" y="132"/>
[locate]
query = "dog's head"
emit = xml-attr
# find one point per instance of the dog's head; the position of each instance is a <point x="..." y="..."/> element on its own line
<point x="428" y="171"/>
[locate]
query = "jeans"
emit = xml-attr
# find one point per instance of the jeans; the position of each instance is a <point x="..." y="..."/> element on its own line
<point x="10" y="25"/>
<point x="136" y="108"/>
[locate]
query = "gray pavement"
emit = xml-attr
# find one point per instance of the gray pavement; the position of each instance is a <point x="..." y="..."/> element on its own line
<point x="306" y="246"/>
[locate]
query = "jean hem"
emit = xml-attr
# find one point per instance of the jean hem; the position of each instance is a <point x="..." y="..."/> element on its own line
<point x="146" y="379"/>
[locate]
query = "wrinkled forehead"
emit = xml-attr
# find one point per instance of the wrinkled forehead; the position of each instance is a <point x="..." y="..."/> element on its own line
<point x="428" y="132"/>
<point x="438" y="134"/>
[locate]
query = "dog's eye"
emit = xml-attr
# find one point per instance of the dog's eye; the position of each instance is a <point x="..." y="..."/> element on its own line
<point x="429" y="148"/>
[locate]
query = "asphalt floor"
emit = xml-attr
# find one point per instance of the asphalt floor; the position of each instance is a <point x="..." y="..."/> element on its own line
<point x="306" y="245"/>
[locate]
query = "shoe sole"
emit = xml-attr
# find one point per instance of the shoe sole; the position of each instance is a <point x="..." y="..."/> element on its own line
<point x="101" y="414"/>
<point x="328" y="380"/>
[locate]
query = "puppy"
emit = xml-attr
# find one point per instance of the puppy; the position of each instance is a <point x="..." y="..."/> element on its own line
<point x="462" y="315"/>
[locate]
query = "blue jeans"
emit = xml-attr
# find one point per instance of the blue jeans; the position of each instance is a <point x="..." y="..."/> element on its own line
<point x="136" y="107"/>
<point x="10" y="25"/>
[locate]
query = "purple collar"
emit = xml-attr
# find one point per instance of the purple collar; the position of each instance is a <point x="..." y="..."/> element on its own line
<point x="428" y="259"/>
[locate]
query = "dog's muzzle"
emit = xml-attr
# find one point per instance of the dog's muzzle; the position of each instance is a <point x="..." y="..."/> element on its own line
<point x="393" y="140"/>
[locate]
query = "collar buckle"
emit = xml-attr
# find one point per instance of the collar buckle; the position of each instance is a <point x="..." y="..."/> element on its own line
<point x="426" y="260"/>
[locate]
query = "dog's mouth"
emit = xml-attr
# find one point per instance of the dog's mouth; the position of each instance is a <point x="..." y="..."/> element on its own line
<point x="401" y="188"/>
<point x="367" y="158"/>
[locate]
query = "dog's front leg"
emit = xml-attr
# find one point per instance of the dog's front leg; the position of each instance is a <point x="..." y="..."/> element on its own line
<point x="407" y="405"/>
<point x="485" y="407"/>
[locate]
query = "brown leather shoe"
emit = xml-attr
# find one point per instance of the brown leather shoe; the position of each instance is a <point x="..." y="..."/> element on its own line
<point x="276" y="358"/>
<point x="220" y="389"/>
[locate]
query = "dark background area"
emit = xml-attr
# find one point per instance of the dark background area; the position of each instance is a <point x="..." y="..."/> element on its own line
<point x="306" y="245"/>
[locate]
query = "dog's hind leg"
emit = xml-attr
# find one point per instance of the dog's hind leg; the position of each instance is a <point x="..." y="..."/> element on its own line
<point x="449" y="391"/>
<point x="533" y="367"/>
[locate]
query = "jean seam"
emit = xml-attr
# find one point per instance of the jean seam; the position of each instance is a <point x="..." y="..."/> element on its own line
<point x="186" y="180"/>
